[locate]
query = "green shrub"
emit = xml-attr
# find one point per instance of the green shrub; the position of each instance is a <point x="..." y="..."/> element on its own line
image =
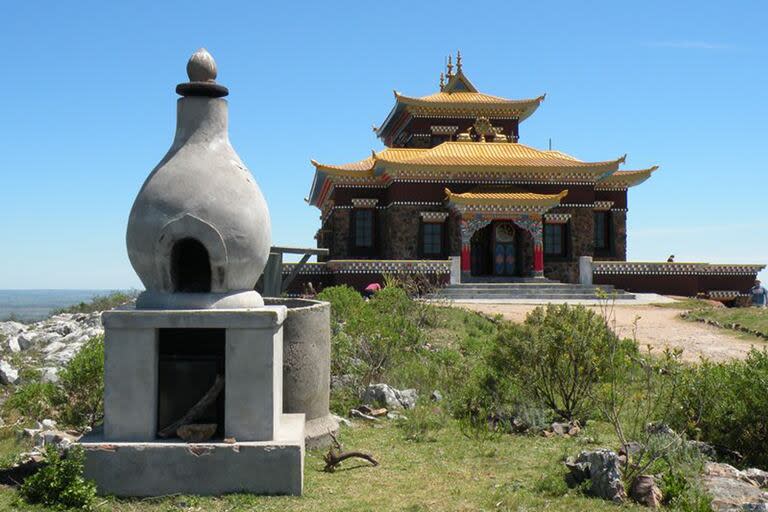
<point x="99" y="303"/>
<point x="60" y="483"/>
<point x="726" y="404"/>
<point x="82" y="385"/>
<point x="345" y="302"/>
<point x="77" y="399"/>
<point x="34" y="400"/>
<point x="560" y="354"/>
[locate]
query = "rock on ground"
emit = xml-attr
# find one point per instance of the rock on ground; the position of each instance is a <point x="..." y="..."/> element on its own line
<point x="733" y="490"/>
<point x="390" y="397"/>
<point x="11" y="328"/>
<point x="601" y="467"/>
<point x="646" y="492"/>
<point x="8" y="374"/>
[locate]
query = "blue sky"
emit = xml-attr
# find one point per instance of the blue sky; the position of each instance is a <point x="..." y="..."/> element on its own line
<point x="88" y="109"/>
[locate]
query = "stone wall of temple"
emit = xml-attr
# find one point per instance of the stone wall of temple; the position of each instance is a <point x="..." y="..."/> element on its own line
<point x="581" y="243"/>
<point x="619" y="236"/>
<point x="340" y="238"/>
<point x="401" y="232"/>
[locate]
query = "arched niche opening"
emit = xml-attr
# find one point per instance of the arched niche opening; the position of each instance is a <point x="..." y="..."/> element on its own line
<point x="190" y="267"/>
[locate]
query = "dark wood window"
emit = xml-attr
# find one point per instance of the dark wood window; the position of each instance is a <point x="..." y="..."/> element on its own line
<point x="603" y="233"/>
<point x="432" y="234"/>
<point x="363" y="238"/>
<point x="555" y="241"/>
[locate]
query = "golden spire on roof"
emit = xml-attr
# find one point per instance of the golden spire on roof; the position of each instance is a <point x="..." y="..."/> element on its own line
<point x="458" y="61"/>
<point x="449" y="74"/>
<point x="442" y="81"/>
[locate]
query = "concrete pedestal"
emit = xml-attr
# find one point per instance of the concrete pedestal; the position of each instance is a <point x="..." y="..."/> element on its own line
<point x="158" y="468"/>
<point x="128" y="459"/>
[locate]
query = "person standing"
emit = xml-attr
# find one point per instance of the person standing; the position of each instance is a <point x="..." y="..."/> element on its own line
<point x="759" y="295"/>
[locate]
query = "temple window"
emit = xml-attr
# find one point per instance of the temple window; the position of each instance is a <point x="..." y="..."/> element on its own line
<point x="362" y="230"/>
<point x="603" y="232"/>
<point x="432" y="239"/>
<point x="555" y="242"/>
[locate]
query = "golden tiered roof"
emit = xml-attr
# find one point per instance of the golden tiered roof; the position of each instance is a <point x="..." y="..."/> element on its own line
<point x="505" y="198"/>
<point x="466" y="102"/>
<point x="471" y="156"/>
<point x="458" y="97"/>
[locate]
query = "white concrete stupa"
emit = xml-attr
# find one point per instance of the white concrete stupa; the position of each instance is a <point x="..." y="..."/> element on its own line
<point x="199" y="231"/>
<point x="193" y="374"/>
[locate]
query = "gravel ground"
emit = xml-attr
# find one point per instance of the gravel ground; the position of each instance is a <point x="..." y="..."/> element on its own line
<point x="658" y="327"/>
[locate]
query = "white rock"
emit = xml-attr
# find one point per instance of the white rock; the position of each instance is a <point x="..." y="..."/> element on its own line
<point x="48" y="424"/>
<point x="51" y="375"/>
<point x="30" y="432"/>
<point x="72" y="337"/>
<point x="11" y="328"/>
<point x="8" y="374"/>
<point x="65" y="355"/>
<point x="54" y="347"/>
<point x="64" y="327"/>
<point x="47" y="337"/>
<point x="13" y="344"/>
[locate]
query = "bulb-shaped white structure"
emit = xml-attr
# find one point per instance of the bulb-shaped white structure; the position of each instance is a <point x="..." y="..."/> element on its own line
<point x="199" y="231"/>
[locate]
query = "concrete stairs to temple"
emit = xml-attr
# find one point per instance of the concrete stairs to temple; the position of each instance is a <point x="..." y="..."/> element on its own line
<point x="529" y="289"/>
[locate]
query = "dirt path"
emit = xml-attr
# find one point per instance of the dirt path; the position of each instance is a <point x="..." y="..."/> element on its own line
<point x="659" y="327"/>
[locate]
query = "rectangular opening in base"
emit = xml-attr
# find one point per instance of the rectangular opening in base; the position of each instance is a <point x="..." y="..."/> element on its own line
<point x="189" y="362"/>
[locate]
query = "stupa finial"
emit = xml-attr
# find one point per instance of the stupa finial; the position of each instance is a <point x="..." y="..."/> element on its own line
<point x="202" y="72"/>
<point x="442" y="81"/>
<point x="458" y="61"/>
<point x="201" y="67"/>
<point x="449" y="74"/>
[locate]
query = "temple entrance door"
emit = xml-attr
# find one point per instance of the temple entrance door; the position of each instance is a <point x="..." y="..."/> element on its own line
<point x="504" y="249"/>
<point x="481" y="255"/>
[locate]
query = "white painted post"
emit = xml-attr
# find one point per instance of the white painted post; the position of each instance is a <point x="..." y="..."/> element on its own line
<point x="455" y="269"/>
<point x="585" y="270"/>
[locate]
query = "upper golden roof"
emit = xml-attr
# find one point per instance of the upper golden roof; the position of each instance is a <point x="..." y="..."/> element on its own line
<point x="477" y="102"/>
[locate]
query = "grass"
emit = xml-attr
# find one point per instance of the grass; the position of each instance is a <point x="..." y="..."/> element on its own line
<point x="452" y="473"/>
<point x="755" y="319"/>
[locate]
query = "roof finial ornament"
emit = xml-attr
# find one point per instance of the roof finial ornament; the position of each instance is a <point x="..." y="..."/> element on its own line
<point x="442" y="81"/>
<point x="458" y="61"/>
<point x="202" y="72"/>
<point x="449" y="74"/>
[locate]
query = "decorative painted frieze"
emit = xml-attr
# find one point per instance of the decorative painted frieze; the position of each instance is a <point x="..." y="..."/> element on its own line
<point x="444" y="130"/>
<point x="664" y="268"/>
<point x="433" y="216"/>
<point x="603" y="206"/>
<point x="389" y="266"/>
<point x="366" y="202"/>
<point x="308" y="268"/>
<point x="557" y="218"/>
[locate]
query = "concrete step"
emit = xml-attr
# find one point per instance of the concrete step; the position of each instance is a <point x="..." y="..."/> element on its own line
<point x="530" y="290"/>
<point x="552" y="296"/>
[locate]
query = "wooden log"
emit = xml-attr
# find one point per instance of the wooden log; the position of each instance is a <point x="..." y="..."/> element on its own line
<point x="334" y="458"/>
<point x="196" y="410"/>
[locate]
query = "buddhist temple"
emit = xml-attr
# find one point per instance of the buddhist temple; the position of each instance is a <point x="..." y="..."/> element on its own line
<point x="456" y="180"/>
<point x="457" y="194"/>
